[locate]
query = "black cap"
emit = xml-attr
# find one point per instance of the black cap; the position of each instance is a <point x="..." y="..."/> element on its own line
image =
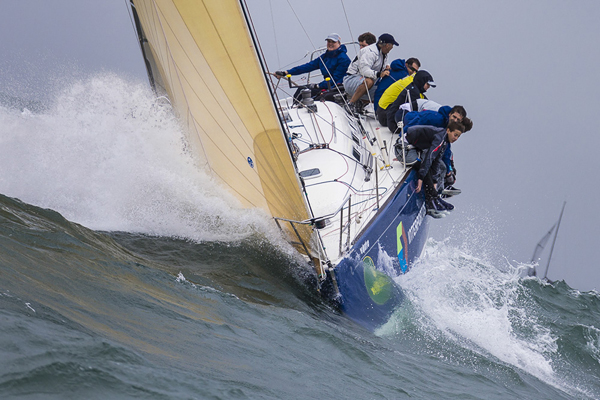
<point x="421" y="78"/>
<point x="387" y="38"/>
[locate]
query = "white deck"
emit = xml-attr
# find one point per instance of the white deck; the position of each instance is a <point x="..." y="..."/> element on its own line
<point x="341" y="173"/>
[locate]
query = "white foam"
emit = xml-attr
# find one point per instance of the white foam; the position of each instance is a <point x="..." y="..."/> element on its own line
<point x="592" y="338"/>
<point x="109" y="156"/>
<point x="181" y="279"/>
<point x="479" y="307"/>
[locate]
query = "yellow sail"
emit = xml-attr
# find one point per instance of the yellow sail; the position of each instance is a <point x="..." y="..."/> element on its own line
<point x="202" y="54"/>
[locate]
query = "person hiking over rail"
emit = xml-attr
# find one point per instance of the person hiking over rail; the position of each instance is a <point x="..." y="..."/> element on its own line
<point x="399" y="69"/>
<point x="446" y="175"/>
<point x="432" y="142"/>
<point x="395" y="112"/>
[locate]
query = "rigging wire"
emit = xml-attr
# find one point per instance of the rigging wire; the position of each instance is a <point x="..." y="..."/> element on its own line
<point x="301" y="25"/>
<point x="347" y="166"/>
<point x="345" y="157"/>
<point x="334" y="127"/>
<point x="348" y="23"/>
<point x="274" y="33"/>
<point x="297" y="61"/>
<point x="357" y="51"/>
<point x="313" y="46"/>
<point x="312" y="140"/>
<point x="354" y="190"/>
<point x="353" y="215"/>
<point x="337" y="130"/>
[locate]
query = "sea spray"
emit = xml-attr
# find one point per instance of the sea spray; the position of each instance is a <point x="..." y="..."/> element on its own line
<point x="459" y="303"/>
<point x="479" y="305"/>
<point x="111" y="156"/>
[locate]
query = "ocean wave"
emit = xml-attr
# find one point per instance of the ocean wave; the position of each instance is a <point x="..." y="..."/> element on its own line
<point x="111" y="156"/>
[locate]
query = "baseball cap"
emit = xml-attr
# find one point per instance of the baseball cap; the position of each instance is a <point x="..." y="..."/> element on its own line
<point x="334" y="36"/>
<point x="387" y="38"/>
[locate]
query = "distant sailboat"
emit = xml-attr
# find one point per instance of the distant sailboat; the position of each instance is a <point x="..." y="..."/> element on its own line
<point x="542" y="243"/>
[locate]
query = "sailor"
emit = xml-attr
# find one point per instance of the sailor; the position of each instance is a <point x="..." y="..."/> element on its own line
<point x="394" y="113"/>
<point x="392" y="91"/>
<point x="450" y="178"/>
<point x="399" y="69"/>
<point x="370" y="66"/>
<point x="432" y="142"/>
<point x="333" y="64"/>
<point x="364" y="40"/>
<point x="440" y="118"/>
<point x="446" y="175"/>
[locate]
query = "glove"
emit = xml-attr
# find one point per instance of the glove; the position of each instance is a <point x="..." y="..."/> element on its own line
<point x="280" y="74"/>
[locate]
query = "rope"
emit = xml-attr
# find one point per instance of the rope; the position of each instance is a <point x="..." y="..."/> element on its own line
<point x="297" y="61"/>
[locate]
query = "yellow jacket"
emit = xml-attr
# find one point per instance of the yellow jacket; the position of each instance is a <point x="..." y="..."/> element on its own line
<point x="392" y="92"/>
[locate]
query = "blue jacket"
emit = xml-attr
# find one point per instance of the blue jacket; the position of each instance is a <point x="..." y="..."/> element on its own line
<point x="397" y="71"/>
<point x="437" y="118"/>
<point x="427" y="117"/>
<point x="333" y="64"/>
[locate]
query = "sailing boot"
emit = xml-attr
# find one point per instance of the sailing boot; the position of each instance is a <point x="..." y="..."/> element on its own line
<point x="434" y="210"/>
<point x="353" y="108"/>
<point x="440" y="207"/>
<point x="450" y="191"/>
<point x="449" y="207"/>
<point x="359" y="107"/>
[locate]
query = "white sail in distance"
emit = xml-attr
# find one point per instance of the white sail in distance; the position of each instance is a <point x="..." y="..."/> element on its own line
<point x="541" y="244"/>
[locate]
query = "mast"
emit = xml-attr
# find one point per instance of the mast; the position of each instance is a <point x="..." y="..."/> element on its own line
<point x="554" y="240"/>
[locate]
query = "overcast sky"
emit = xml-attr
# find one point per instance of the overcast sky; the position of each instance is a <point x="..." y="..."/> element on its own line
<point x="526" y="71"/>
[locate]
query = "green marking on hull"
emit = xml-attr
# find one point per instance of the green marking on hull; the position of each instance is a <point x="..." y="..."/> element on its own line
<point x="378" y="285"/>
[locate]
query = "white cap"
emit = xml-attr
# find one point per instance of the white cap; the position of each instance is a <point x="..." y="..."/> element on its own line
<point x="334" y="36"/>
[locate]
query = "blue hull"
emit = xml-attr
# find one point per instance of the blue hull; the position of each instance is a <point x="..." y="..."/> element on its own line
<point x="384" y="250"/>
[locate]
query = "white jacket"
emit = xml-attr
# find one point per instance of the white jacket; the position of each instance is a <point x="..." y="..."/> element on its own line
<point x="371" y="61"/>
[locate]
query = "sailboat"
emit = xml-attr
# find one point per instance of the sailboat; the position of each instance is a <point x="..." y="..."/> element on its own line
<point x="326" y="177"/>
<point x="532" y="271"/>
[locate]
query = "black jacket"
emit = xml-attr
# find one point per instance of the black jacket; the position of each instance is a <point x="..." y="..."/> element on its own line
<point x="432" y="141"/>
